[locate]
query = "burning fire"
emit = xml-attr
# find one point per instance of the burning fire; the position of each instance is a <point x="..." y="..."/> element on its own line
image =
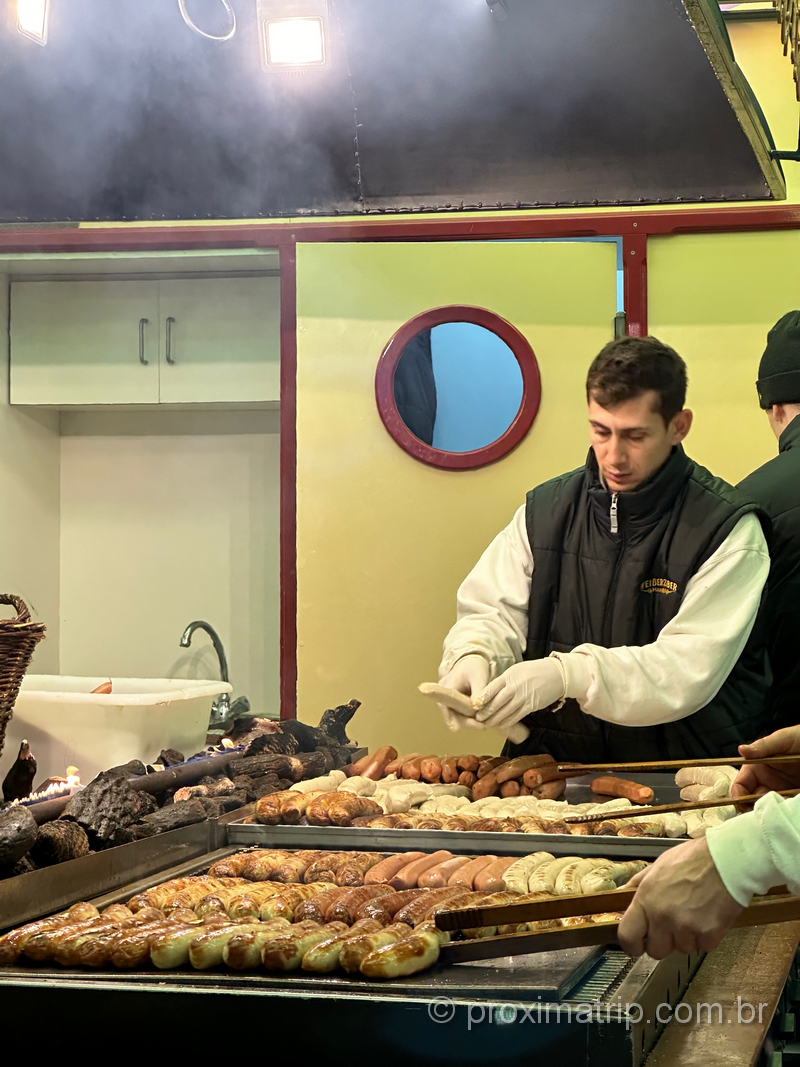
<point x="55" y="787"/>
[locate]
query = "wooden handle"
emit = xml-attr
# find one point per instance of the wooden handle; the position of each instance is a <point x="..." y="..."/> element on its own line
<point x="664" y="809"/>
<point x="575" y="770"/>
<point x="762" y="912"/>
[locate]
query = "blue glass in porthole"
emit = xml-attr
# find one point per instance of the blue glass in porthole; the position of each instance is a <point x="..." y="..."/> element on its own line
<point x="458" y="386"/>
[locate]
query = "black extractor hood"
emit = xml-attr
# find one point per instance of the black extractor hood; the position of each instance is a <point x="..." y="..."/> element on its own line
<point x="421" y="105"/>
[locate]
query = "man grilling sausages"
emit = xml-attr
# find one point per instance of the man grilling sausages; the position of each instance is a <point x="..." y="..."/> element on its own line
<point x="612" y="617"/>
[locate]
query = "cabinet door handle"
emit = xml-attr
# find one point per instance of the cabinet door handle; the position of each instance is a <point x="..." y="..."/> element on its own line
<point x="142" y="324"/>
<point x="170" y="357"/>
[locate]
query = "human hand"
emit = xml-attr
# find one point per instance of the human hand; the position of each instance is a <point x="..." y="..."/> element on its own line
<point x="468" y="675"/>
<point x="760" y="778"/>
<point x="523" y="688"/>
<point x="681" y="905"/>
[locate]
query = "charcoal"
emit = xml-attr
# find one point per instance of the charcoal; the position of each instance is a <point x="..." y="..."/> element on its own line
<point x="169" y="757"/>
<point x="311" y="765"/>
<point x="308" y="737"/>
<point x="141" y="830"/>
<point x="23" y="866"/>
<point x="175" y="815"/>
<point x="106" y="806"/>
<point x="190" y="792"/>
<point x="58" y="841"/>
<point x="334" y="721"/>
<point x="272" y="742"/>
<point x="131" y="769"/>
<point x="216" y="806"/>
<point x="18" y="831"/>
<point x="247" y="727"/>
<point x="268" y="763"/>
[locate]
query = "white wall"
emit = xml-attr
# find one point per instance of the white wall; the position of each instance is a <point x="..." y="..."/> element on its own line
<point x="29" y="495"/>
<point x="168" y="517"/>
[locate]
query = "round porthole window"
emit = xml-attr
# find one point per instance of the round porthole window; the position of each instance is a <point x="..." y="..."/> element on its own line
<point x="458" y="387"/>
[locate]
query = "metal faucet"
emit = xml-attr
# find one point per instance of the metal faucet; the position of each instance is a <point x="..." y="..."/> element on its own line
<point x="221" y="707"/>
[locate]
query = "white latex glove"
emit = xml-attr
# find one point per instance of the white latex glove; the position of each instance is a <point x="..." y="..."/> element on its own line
<point x="525" y="687"/>
<point x="468" y="675"/>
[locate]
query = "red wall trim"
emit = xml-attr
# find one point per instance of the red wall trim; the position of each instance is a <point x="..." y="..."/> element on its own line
<point x="404" y="228"/>
<point x="393" y="420"/>
<point x="634" y="273"/>
<point x="288" y="476"/>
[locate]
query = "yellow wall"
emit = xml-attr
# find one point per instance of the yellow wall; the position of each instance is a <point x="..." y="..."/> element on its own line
<point x="759" y="52"/>
<point x="384" y="540"/>
<point x="713" y="297"/>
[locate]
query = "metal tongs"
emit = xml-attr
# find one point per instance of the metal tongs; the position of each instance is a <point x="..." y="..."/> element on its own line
<point x="763" y="911"/>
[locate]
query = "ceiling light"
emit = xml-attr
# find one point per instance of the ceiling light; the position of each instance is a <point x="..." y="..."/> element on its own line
<point x="499" y="9"/>
<point x="293" y="34"/>
<point x="32" y="19"/>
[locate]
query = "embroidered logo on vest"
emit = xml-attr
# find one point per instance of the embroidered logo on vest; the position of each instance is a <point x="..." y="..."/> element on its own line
<point x="659" y="585"/>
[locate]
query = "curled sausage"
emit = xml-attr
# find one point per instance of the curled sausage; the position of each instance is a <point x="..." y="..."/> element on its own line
<point x="611" y="786"/>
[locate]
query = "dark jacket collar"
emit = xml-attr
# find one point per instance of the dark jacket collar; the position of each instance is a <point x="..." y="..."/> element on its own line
<point x="790" y="436"/>
<point x="649" y="501"/>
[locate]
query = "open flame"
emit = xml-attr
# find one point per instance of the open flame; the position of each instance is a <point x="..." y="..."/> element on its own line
<point x="56" y="787"/>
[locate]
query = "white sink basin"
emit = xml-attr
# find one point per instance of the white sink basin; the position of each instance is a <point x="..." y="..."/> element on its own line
<point x="65" y="723"/>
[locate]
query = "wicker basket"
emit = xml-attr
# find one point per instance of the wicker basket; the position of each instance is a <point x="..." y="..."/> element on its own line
<point x="18" y="638"/>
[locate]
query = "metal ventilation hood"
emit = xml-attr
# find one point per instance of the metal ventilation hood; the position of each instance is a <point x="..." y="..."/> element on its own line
<point x="426" y="105"/>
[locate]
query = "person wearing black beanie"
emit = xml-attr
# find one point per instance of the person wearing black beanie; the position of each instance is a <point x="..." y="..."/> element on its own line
<point x="776" y="488"/>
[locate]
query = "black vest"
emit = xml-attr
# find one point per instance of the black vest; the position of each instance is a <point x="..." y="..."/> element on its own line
<point x="621" y="588"/>
<point x="776" y="488"/>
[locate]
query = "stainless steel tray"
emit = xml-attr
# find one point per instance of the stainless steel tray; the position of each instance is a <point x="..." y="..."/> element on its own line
<point x="464" y="841"/>
<point x="546" y="976"/>
<point x="365" y="839"/>
<point x="29" y="896"/>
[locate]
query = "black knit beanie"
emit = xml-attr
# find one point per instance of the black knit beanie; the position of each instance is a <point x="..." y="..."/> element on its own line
<point x="779" y="369"/>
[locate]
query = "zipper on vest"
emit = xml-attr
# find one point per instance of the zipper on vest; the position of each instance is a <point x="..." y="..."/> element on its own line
<point x="613" y="514"/>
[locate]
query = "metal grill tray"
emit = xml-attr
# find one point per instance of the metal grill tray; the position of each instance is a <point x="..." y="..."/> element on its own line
<point x="467" y="841"/>
<point x="538" y="977"/>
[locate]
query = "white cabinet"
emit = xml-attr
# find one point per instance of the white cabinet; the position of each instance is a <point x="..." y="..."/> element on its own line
<point x="168" y="341"/>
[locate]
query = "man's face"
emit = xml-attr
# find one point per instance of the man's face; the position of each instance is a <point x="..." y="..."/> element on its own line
<point x="631" y="441"/>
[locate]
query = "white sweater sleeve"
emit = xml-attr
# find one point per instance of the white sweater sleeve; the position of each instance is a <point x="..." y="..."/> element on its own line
<point x="759" y="850"/>
<point x="684" y="668"/>
<point x="492" y="602"/>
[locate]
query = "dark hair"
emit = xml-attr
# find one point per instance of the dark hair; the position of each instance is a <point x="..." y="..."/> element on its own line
<point x="630" y="366"/>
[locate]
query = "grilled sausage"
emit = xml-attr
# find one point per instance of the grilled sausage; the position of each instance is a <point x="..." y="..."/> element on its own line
<point x="450" y="770"/>
<point x="387" y="868"/>
<point x="488" y="764"/>
<point x="516" y="768"/>
<point x="431" y="769"/>
<point x="283" y="905"/>
<point x="408" y="877"/>
<point x="417" y="952"/>
<point x="243" y="951"/>
<point x="419" y="909"/>
<point x="286" y="952"/>
<point x="206" y="949"/>
<point x="510" y="788"/>
<point x="234" y="865"/>
<point x="249" y="905"/>
<point x="170" y="949"/>
<point x="357" y="948"/>
<point x="345" y="908"/>
<point x="436" y="877"/>
<point x="384" y="908"/>
<point x="469" y="763"/>
<point x="323" y="957"/>
<point x="487" y="786"/>
<point x="465" y="876"/>
<point x="491" y="879"/>
<point x="315" y="905"/>
<point x="393" y="767"/>
<point x="611" y="786"/>
<point x="375" y="768"/>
